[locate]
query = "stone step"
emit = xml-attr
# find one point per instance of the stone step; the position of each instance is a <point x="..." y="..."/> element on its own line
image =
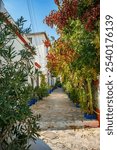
<point x="59" y="125"/>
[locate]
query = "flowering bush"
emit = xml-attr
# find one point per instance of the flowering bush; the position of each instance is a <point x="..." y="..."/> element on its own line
<point x="75" y="55"/>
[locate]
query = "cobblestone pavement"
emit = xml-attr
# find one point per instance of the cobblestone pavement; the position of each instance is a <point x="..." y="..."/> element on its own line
<point x="63" y="126"/>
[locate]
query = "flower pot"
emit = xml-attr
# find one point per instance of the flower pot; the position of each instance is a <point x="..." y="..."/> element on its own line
<point x="29" y="103"/>
<point x="96" y="83"/>
<point x="98" y="115"/>
<point x="49" y="91"/>
<point x="32" y="102"/>
<point x="90" y="116"/>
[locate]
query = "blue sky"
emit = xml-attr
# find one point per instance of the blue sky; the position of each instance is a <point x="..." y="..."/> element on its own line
<point x="42" y="8"/>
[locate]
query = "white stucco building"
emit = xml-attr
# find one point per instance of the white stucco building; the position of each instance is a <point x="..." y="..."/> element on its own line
<point x="37" y="39"/>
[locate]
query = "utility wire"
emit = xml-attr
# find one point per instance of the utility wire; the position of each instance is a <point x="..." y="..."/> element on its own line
<point x="33" y="20"/>
<point x="34" y="16"/>
<point x="30" y="15"/>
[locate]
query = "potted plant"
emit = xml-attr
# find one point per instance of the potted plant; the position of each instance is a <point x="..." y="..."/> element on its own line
<point x="87" y="100"/>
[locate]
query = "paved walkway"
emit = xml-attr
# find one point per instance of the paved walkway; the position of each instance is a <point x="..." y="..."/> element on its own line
<point x="62" y="124"/>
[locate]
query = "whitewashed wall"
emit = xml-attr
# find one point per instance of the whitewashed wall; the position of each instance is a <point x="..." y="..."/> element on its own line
<point x="41" y="52"/>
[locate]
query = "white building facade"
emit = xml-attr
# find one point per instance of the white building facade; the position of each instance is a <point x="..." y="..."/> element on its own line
<point x="37" y="39"/>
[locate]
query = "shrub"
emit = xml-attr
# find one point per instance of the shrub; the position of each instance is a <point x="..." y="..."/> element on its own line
<point x="17" y="123"/>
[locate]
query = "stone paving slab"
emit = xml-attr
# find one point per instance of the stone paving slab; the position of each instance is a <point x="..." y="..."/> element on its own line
<point x="79" y="139"/>
<point x="58" y="112"/>
<point x="63" y="126"/>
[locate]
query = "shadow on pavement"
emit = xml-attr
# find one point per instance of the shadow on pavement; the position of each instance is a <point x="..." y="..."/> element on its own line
<point x="38" y="145"/>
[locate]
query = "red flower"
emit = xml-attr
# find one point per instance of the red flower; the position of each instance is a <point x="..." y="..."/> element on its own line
<point x="47" y="43"/>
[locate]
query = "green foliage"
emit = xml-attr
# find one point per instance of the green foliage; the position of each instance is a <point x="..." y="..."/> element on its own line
<point x="81" y="41"/>
<point x="83" y="99"/>
<point x="40" y="92"/>
<point x="74" y="95"/>
<point x="84" y="5"/>
<point x="20" y="23"/>
<point x="17" y="123"/>
<point x="58" y="84"/>
<point x="43" y="82"/>
<point x="43" y="86"/>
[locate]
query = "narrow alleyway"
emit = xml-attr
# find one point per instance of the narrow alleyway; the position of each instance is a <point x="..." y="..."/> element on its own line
<point x="62" y="124"/>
